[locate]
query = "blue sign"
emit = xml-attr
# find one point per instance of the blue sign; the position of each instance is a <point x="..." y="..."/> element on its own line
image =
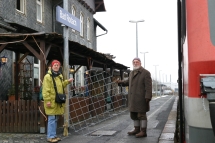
<point x="68" y="19"/>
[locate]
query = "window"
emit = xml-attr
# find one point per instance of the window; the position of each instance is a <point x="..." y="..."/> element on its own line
<point x="36" y="72"/>
<point x="81" y="25"/>
<point x="88" y="29"/>
<point x="36" y="60"/>
<point x="39" y="10"/>
<point x="20" y="5"/>
<point x="73" y="13"/>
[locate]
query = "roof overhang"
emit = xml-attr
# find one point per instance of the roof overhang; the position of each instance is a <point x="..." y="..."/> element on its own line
<point x="78" y="54"/>
<point x="99" y="6"/>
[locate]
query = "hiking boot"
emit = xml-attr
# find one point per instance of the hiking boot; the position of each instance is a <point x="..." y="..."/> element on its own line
<point x="52" y="140"/>
<point x="142" y="133"/>
<point x="135" y="131"/>
<point x="57" y="138"/>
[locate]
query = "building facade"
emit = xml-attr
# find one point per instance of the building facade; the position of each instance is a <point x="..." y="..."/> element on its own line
<point x="32" y="16"/>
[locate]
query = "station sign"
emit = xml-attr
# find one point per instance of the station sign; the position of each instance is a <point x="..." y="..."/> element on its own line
<point x="67" y="19"/>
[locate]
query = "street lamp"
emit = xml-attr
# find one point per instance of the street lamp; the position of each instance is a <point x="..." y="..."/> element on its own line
<point x="144" y="56"/>
<point x="132" y="21"/>
<point x="160" y="81"/>
<point x="156" y="79"/>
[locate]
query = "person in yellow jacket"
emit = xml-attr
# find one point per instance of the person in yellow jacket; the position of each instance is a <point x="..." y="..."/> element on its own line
<point x="52" y="109"/>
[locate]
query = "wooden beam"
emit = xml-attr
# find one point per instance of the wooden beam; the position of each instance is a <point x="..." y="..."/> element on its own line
<point x="89" y="63"/>
<point x="78" y="54"/>
<point x="99" y="4"/>
<point x="25" y="55"/>
<point x="31" y="50"/>
<point x="86" y="57"/>
<point x="111" y="87"/>
<point x="47" y="50"/>
<point x="42" y="50"/>
<point x="77" y="69"/>
<point x="54" y="45"/>
<point x="2" y="47"/>
<point x="16" y="76"/>
<point x="42" y="61"/>
<point x="61" y="53"/>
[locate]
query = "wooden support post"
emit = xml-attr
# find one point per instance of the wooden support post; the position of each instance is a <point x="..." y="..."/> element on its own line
<point x="42" y="74"/>
<point x="111" y="94"/>
<point x="89" y="66"/>
<point x="2" y="47"/>
<point x="17" y="71"/>
<point x="105" y="81"/>
<point x="42" y="60"/>
<point x="121" y="76"/>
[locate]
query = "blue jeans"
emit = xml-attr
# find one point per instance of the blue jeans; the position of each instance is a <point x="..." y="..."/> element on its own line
<point x="52" y="126"/>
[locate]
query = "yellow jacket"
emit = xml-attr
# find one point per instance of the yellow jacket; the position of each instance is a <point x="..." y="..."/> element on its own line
<point x="49" y="93"/>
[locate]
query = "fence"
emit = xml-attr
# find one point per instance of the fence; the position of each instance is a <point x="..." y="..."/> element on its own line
<point x="19" y="116"/>
<point x="96" y="100"/>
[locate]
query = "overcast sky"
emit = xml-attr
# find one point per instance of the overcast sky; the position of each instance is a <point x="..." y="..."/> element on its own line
<point x="157" y="35"/>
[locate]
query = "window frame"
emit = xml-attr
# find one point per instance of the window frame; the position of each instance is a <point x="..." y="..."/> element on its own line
<point x="22" y="6"/>
<point x="81" y="24"/>
<point x="37" y="65"/>
<point x="88" y="29"/>
<point x="73" y="13"/>
<point x="41" y="10"/>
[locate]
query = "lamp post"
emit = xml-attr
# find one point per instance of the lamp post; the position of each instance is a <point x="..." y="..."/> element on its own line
<point x="132" y="21"/>
<point x="156" y="79"/>
<point x="160" y="81"/>
<point x="144" y="56"/>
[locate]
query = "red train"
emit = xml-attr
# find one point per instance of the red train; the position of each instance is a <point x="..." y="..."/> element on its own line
<point x="196" y="36"/>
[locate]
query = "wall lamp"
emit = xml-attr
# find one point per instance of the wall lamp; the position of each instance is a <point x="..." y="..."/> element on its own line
<point x="3" y="61"/>
<point x="72" y="70"/>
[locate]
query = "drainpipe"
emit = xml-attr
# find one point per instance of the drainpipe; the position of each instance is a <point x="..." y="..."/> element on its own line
<point x="101" y="26"/>
<point x="102" y="34"/>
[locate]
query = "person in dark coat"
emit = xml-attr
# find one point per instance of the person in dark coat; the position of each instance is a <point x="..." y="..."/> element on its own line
<point x="139" y="96"/>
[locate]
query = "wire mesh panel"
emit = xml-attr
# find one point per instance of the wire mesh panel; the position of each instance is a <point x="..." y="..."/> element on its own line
<point x="95" y="99"/>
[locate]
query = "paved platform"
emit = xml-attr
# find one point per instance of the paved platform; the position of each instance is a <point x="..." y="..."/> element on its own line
<point x="168" y="133"/>
<point x="157" y="133"/>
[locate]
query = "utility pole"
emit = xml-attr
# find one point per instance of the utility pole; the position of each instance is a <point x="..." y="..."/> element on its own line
<point x="170" y="81"/>
<point x="66" y="71"/>
<point x="160" y="81"/>
<point x="136" y="22"/>
<point x="156" y="87"/>
<point x="144" y="57"/>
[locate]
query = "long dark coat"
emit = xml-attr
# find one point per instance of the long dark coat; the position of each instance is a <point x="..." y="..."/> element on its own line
<point x="140" y="88"/>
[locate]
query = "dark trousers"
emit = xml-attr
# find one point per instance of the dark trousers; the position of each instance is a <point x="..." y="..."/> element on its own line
<point x="138" y="115"/>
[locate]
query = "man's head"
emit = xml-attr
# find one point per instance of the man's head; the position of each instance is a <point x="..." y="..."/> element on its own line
<point x="55" y="65"/>
<point x="136" y="63"/>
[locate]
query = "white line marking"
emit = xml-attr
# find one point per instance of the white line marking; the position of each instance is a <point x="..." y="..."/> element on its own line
<point x="158" y="109"/>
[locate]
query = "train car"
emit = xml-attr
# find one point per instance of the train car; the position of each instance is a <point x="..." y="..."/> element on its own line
<point x="196" y="32"/>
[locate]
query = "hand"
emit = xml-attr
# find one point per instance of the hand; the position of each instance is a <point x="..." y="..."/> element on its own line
<point x="48" y="104"/>
<point x="70" y="80"/>
<point x="117" y="81"/>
